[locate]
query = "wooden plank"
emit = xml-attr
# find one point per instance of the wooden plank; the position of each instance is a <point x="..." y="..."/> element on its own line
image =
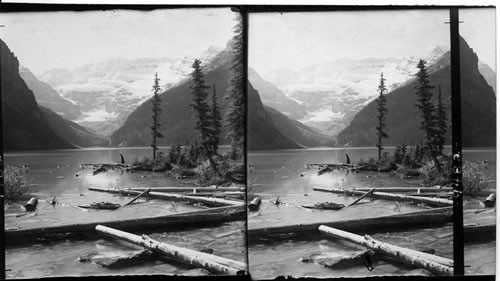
<point x="431" y="217"/>
<point x="173" y="221"/>
<point x="390" y="196"/>
<point x="407" y="256"/>
<point x="171" y="196"/>
<point x="213" y="263"/>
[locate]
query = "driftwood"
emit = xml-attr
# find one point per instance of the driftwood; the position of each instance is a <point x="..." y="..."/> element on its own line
<point x="325" y="206"/>
<point x="407" y="256"/>
<point x="427" y="218"/>
<point x="102" y="168"/>
<point x="362" y="196"/>
<point x="137" y="197"/>
<point x="405" y="189"/>
<point x="101" y="206"/>
<point x="254" y="204"/>
<point x="113" y="260"/>
<point x="173" y="221"/>
<point x="418" y="272"/>
<point x="213" y="263"/>
<point x="31" y="204"/>
<point x="390" y="196"/>
<point x="328" y="168"/>
<point x="174" y="197"/>
<point x="190" y="189"/>
<point x="490" y="201"/>
<point x="334" y="260"/>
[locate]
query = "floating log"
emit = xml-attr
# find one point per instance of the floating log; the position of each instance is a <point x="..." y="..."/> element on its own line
<point x="173" y="221"/>
<point x="431" y="217"/>
<point x="174" y="197"/>
<point x="31" y="204"/>
<point x="213" y="263"/>
<point x="217" y="194"/>
<point x="433" y="194"/>
<point x="101" y="206"/>
<point x="390" y="196"/>
<point x="190" y="189"/>
<point x="334" y="260"/>
<point x="405" y="189"/>
<point x="408" y="256"/>
<point x="490" y="201"/>
<point x="362" y="196"/>
<point x="325" y="206"/>
<point x="137" y="197"/>
<point x="113" y="260"/>
<point x="254" y="204"/>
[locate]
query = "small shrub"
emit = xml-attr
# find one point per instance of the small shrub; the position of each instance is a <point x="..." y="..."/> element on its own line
<point x="15" y="182"/>
<point x="474" y="179"/>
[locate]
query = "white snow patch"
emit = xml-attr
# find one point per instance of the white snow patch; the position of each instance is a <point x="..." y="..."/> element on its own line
<point x="322" y="115"/>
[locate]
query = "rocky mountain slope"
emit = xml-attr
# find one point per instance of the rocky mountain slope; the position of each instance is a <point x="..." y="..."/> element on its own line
<point x="26" y="126"/>
<point x="478" y="108"/>
<point x="333" y="92"/>
<point x="107" y="92"/>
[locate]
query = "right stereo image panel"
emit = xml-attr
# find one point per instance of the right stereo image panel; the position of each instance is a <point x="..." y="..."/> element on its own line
<point x="351" y="150"/>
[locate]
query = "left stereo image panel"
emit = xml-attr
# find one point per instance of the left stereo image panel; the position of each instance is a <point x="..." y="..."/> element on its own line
<point x="123" y="142"/>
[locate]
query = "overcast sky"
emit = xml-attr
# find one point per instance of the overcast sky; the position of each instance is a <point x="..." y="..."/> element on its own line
<point x="47" y="40"/>
<point x="295" y="40"/>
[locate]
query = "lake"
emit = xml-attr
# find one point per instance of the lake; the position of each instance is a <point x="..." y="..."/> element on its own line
<point x="58" y="173"/>
<point x="283" y="173"/>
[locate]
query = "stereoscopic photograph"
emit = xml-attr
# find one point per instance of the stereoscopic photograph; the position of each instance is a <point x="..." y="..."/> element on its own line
<point x="259" y="142"/>
<point x="123" y="137"/>
<point x="349" y="143"/>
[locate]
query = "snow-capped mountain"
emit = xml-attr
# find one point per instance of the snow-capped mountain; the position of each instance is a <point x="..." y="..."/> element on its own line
<point x="333" y="92"/>
<point x="107" y="92"/>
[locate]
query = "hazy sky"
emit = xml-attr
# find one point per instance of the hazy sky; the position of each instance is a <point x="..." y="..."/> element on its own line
<point x="46" y="40"/>
<point x="294" y="40"/>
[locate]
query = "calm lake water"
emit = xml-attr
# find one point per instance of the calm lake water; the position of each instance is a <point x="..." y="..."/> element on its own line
<point x="58" y="173"/>
<point x="283" y="173"/>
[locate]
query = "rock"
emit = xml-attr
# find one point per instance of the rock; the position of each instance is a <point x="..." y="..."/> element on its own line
<point x="197" y="272"/>
<point x="418" y="272"/>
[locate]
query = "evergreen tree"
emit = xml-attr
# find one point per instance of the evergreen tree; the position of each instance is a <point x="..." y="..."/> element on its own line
<point x="441" y="122"/>
<point x="235" y="116"/>
<point x="382" y="112"/>
<point x="156" y="102"/>
<point x="204" y="123"/>
<point x="427" y="110"/>
<point x="216" y="121"/>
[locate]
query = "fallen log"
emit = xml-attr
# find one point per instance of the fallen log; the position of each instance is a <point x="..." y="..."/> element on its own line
<point x="189" y="189"/>
<point x="137" y="197"/>
<point x="405" y="189"/>
<point x="31" y="204"/>
<point x="172" y="222"/>
<point x="254" y="204"/>
<point x="325" y="206"/>
<point x="362" y="196"/>
<point x="431" y="217"/>
<point x="113" y="260"/>
<point x="334" y="260"/>
<point x="213" y="263"/>
<point x="489" y="202"/>
<point x="390" y="196"/>
<point x="101" y="206"/>
<point x="174" y="197"/>
<point x="407" y="256"/>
